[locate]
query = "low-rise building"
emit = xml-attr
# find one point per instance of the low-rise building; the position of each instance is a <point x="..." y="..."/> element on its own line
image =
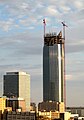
<point x="2" y="104"/>
<point x="49" y="115"/>
<point x="76" y="110"/>
<point x="51" y="106"/>
<point x="33" y="107"/>
<point x="54" y="115"/>
<point x="16" y="104"/>
<point x="21" y="116"/>
<point x="0" y="115"/>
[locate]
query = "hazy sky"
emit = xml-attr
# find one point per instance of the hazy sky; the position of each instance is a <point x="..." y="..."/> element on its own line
<point x="21" y="42"/>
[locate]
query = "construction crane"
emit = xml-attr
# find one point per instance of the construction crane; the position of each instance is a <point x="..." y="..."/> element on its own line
<point x="44" y="22"/>
<point x="64" y="25"/>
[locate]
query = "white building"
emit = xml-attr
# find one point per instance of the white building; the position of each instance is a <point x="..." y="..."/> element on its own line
<point x="17" y="84"/>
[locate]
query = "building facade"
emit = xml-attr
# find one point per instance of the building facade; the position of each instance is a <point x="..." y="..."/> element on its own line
<point x="17" y="84"/>
<point x="33" y="106"/>
<point x="76" y="110"/>
<point x="54" y="115"/>
<point x="51" y="106"/>
<point x="53" y="68"/>
<point x="17" y="104"/>
<point x="2" y="104"/>
<point x="11" y="115"/>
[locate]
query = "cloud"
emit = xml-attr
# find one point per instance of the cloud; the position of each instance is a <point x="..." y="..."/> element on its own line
<point x="74" y="48"/>
<point x="51" y="10"/>
<point x="29" y="13"/>
<point x="75" y="76"/>
<point x="68" y="77"/>
<point x="78" y="4"/>
<point x="6" y="25"/>
<point x="74" y="91"/>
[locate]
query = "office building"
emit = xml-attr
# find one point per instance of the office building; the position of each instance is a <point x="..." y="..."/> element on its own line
<point x="53" y="68"/>
<point x="17" y="84"/>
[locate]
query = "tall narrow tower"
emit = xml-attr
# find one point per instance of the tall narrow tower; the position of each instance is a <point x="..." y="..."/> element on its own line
<point x="53" y="68"/>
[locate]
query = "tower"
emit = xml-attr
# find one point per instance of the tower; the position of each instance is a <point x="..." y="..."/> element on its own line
<point x="53" y="68"/>
<point x="17" y="84"/>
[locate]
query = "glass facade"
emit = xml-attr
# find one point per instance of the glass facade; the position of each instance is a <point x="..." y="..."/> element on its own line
<point x="53" y="69"/>
<point x="11" y="85"/>
<point x="17" y="84"/>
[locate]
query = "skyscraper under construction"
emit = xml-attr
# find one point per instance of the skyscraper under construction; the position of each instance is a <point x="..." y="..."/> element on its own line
<point x="53" y="68"/>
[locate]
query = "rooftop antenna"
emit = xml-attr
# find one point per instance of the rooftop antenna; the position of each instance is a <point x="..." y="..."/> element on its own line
<point x="64" y="25"/>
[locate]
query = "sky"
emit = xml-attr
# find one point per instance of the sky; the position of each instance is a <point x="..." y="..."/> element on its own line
<point x="21" y="42"/>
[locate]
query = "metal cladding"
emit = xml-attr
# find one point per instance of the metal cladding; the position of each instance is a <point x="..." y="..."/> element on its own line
<point x="53" y="68"/>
